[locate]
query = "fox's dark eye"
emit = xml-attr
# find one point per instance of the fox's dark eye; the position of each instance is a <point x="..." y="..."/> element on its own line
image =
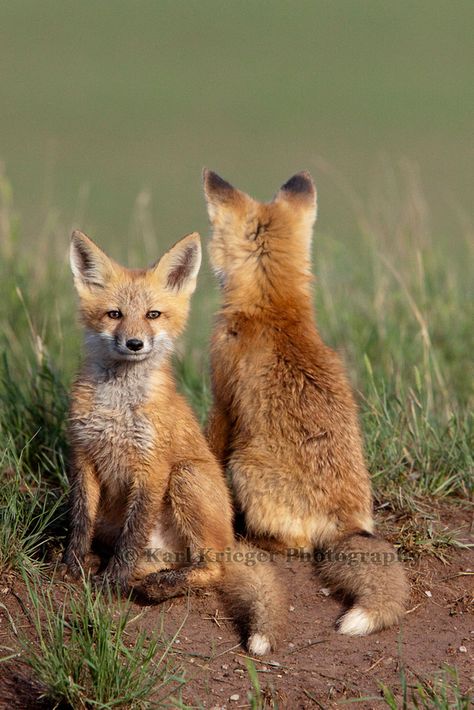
<point x="153" y="314"/>
<point x="115" y="315"/>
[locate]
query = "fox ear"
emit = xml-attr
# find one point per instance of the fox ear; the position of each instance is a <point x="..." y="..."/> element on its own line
<point x="90" y="266"/>
<point x="179" y="266"/>
<point x="219" y="194"/>
<point x="299" y="191"/>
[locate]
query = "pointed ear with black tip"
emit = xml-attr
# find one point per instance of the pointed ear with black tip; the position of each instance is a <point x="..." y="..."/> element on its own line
<point x="179" y="266"/>
<point x="90" y="266"/>
<point x="300" y="191"/>
<point x="219" y="194"/>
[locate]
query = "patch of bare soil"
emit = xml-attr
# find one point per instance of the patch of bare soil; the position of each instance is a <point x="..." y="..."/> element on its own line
<point x="314" y="666"/>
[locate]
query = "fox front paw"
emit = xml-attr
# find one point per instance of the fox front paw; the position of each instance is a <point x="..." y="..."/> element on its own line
<point x="113" y="578"/>
<point x="76" y="567"/>
<point x="71" y="567"/>
<point x="68" y="573"/>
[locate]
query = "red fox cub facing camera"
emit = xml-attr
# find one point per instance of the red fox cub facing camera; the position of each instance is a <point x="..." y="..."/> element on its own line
<point x="144" y="482"/>
<point x="284" y="420"/>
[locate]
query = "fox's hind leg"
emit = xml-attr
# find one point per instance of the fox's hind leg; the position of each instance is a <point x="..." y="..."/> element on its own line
<point x="201" y="514"/>
<point x="168" y="583"/>
<point x="286" y="544"/>
<point x="278" y="517"/>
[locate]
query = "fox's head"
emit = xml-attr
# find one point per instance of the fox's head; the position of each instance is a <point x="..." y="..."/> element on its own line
<point x="133" y="314"/>
<point x="260" y="244"/>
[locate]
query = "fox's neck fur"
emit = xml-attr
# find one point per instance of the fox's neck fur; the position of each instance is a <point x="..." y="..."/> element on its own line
<point x="129" y="382"/>
<point x="274" y="291"/>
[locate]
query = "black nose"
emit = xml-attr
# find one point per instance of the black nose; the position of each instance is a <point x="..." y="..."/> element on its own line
<point x="134" y="344"/>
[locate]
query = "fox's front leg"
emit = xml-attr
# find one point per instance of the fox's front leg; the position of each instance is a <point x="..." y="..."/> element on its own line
<point x="218" y="433"/>
<point x="133" y="539"/>
<point x="84" y="501"/>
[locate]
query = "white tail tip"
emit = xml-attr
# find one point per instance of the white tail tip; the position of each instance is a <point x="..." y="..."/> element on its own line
<point x="259" y="645"/>
<point x="356" y="622"/>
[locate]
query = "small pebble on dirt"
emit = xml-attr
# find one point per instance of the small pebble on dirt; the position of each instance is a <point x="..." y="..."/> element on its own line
<point x="462" y="649"/>
<point x="234" y="697"/>
<point x="428" y="593"/>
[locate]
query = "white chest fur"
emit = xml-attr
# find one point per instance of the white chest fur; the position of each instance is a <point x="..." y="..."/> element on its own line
<point x="116" y="434"/>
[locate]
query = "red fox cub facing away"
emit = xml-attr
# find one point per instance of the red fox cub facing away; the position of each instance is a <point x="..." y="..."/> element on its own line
<point x="144" y="482"/>
<point x="284" y="421"/>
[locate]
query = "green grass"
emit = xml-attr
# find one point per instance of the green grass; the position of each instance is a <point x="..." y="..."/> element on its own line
<point x="86" y="652"/>
<point x="30" y="520"/>
<point x="257" y="697"/>
<point x="442" y="692"/>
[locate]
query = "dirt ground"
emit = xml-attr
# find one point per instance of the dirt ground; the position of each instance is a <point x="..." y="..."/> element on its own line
<point x="314" y="666"/>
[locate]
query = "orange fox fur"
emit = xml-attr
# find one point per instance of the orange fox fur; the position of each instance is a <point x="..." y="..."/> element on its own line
<point x="143" y="477"/>
<point x="284" y="420"/>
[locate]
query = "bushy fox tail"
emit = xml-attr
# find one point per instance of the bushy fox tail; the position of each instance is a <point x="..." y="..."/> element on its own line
<point x="365" y="570"/>
<point x="254" y="596"/>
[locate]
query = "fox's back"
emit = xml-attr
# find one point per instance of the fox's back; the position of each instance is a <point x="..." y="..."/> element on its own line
<point x="286" y="391"/>
<point x="294" y="446"/>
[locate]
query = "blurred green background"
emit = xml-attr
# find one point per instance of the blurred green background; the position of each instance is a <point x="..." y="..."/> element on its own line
<point x="101" y="101"/>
